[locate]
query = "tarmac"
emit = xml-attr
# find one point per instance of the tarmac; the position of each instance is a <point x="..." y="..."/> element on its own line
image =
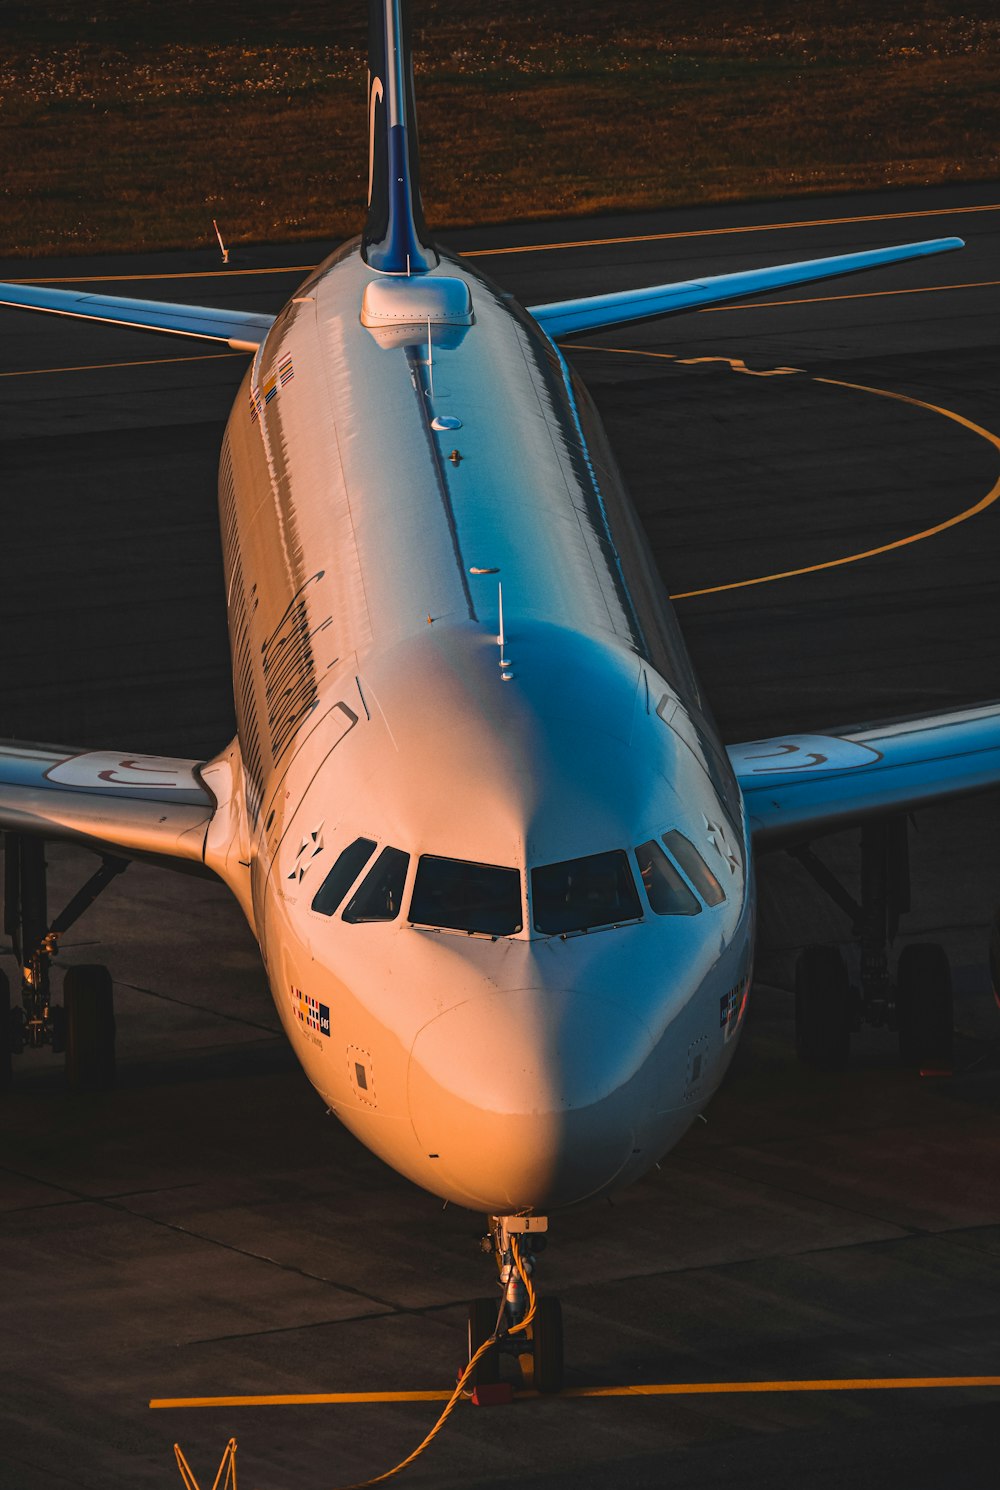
<point x="206" y="1231"/>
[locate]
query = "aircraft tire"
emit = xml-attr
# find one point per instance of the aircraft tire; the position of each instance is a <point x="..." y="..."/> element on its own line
<point x="924" y="1006"/>
<point x="995" y="956"/>
<point x="6" y="1034"/>
<point x="57" y="1016"/>
<point x="88" y="998"/>
<point x="547" y="1345"/>
<point x="482" y="1323"/>
<point x="822" y="1009"/>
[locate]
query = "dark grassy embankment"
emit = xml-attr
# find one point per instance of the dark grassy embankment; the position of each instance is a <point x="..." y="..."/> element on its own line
<point x="130" y="124"/>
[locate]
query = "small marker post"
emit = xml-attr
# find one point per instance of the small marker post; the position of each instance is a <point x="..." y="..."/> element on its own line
<point x="222" y="247"/>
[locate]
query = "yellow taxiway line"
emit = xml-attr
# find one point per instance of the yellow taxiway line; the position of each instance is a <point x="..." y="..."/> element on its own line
<point x="738" y="365"/>
<point x="762" y="227"/>
<point x="850" y="1384"/>
<point x="105" y="279"/>
<point x="883" y="548"/>
<point x="529" y="248"/>
<point x="978" y="284"/>
<point x="35" y="372"/>
<point x="869" y="553"/>
<point x="652" y="1389"/>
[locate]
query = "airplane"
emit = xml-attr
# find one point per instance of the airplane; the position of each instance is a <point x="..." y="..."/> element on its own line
<point x="477" y="813"/>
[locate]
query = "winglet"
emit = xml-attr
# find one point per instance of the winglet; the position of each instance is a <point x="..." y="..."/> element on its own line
<point x="395" y="236"/>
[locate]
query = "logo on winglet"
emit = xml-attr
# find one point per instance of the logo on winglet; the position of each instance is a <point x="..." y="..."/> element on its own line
<point x="796" y="753"/>
<point x="375" y="96"/>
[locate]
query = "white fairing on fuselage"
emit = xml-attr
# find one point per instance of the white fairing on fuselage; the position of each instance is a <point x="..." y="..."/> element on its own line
<point x="526" y="1071"/>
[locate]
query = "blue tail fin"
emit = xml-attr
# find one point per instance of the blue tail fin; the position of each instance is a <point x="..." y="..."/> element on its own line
<point x="395" y="237"/>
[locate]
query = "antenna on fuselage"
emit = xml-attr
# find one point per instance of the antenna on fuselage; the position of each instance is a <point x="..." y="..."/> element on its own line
<point x="430" y="359"/>
<point x="504" y="661"/>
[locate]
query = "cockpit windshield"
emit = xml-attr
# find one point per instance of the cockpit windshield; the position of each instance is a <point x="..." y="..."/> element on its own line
<point x="342" y="876"/>
<point x="695" y="868"/>
<point x="460" y="896"/>
<point x="579" y="894"/>
<point x="380" y="893"/>
<point x="667" y="892"/>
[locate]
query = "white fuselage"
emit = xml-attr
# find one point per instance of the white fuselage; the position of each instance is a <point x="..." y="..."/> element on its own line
<point x="525" y="1070"/>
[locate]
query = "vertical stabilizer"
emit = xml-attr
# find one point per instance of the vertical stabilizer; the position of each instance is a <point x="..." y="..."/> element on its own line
<point x="395" y="238"/>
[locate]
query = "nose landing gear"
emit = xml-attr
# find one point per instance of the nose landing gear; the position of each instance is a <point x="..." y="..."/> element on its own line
<point x="539" y="1345"/>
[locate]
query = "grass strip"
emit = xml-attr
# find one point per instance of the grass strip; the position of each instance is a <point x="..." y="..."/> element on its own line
<point x="129" y="124"/>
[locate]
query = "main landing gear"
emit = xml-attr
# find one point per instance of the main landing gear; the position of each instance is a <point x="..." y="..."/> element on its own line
<point x="917" y="1004"/>
<point x="539" y="1349"/>
<point x="83" y="1026"/>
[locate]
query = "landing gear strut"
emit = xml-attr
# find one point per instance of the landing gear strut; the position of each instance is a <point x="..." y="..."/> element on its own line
<point x="918" y="1004"/>
<point x="539" y="1348"/>
<point x="83" y="1026"/>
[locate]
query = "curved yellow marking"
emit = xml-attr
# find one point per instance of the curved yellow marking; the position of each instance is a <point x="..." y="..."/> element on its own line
<point x="739" y="366"/>
<point x="36" y="372"/>
<point x="652" y="1389"/>
<point x="736" y="364"/>
<point x="883" y="548"/>
<point x="868" y="553"/>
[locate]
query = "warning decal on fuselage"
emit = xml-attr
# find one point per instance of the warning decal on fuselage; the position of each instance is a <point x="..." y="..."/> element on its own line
<point x="731" y="1007"/>
<point x="311" y="1014"/>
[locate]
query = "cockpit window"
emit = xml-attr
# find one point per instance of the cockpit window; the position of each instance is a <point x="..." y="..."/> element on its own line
<point x="380" y="893"/>
<point x="461" y="896"/>
<point x="582" y="893"/>
<point x="695" y="868"/>
<point x="342" y="876"/>
<point x="667" y="892"/>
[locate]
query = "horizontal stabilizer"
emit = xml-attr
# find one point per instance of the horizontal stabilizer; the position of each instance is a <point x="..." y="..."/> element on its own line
<point x="567" y="317"/>
<point x="799" y="786"/>
<point x="141" y="806"/>
<point x="242" y="330"/>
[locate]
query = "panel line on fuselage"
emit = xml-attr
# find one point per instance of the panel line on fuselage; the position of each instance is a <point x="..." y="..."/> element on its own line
<point x="419" y="372"/>
<point x="599" y="495"/>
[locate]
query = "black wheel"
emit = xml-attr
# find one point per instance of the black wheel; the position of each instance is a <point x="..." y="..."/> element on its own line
<point x="822" y="1009"/>
<point x="16" y="1026"/>
<point x="482" y="1322"/>
<point x="924" y="1006"/>
<point x="88" y="999"/>
<point x="7" y="1034"/>
<point x="547" y="1345"/>
<point x="57" y="1020"/>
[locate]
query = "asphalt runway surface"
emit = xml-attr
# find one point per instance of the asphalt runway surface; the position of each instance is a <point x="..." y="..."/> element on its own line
<point x="207" y="1231"/>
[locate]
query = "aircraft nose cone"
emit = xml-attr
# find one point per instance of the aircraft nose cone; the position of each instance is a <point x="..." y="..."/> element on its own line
<point x="528" y="1098"/>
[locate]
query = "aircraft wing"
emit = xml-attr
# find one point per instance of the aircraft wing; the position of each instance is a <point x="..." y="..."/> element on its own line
<point x="139" y="806"/>
<point x="568" y="317"/>
<point x="242" y="330"/>
<point x="797" y="787"/>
